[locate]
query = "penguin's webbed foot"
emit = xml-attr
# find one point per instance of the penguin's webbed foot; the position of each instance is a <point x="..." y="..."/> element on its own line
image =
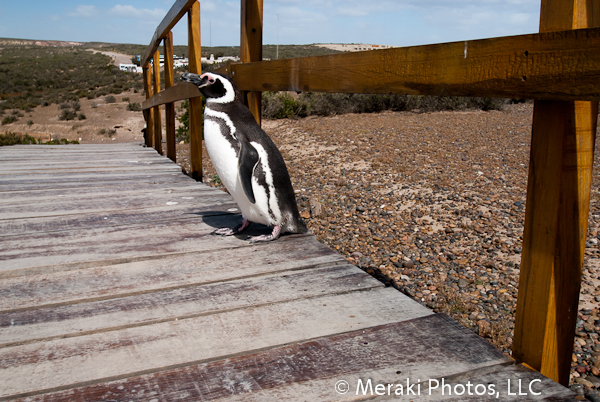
<point x="235" y="230"/>
<point x="273" y="236"/>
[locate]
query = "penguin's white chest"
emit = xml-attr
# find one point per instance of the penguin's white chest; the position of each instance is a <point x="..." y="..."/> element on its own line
<point x="219" y="137"/>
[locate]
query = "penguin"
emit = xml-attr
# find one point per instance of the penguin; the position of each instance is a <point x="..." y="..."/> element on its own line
<point x="246" y="160"/>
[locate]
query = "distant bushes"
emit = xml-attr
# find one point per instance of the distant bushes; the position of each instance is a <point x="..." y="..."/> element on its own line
<point x="134" y="107"/>
<point x="37" y="75"/>
<point x="279" y="105"/>
<point x="183" y="131"/>
<point x="67" y="115"/>
<point x="69" y="111"/>
<point x="107" y="132"/>
<point x="9" y="138"/>
<point x="9" y="119"/>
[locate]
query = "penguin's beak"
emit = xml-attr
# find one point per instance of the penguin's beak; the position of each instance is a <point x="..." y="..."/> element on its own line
<point x="194" y="79"/>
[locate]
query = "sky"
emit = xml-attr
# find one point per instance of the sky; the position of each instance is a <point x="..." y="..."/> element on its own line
<point x="384" y="22"/>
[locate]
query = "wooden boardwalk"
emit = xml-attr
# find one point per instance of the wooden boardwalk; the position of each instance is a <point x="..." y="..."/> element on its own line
<point x="113" y="289"/>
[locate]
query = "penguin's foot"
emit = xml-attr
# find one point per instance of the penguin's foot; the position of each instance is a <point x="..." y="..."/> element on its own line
<point x="273" y="236"/>
<point x="235" y="230"/>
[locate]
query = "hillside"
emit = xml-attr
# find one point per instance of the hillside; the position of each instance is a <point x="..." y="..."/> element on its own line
<point x="60" y="88"/>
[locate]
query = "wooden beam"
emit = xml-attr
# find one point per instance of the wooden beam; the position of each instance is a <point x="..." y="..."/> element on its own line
<point x="560" y="174"/>
<point x="170" y="107"/>
<point x="251" y="47"/>
<point x="180" y="91"/>
<point x="157" y="119"/>
<point x="148" y="115"/>
<point x="178" y="10"/>
<point x="196" y="110"/>
<point x="561" y="65"/>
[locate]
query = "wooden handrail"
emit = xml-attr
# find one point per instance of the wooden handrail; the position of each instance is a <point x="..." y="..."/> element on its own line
<point x="173" y="93"/>
<point x="520" y="70"/>
<point x="181" y="91"/>
<point x="558" y="65"/>
<point x="177" y="11"/>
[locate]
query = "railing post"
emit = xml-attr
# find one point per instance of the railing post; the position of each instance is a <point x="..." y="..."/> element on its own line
<point x="558" y="195"/>
<point x="157" y="119"/>
<point x="251" y="46"/>
<point x="195" y="66"/>
<point x="149" y="115"/>
<point x="170" y="107"/>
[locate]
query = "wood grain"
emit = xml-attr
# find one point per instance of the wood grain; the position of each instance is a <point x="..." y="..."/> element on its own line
<point x="170" y="107"/>
<point x="72" y="361"/>
<point x="564" y="135"/>
<point x="181" y="91"/>
<point x="149" y="114"/>
<point x="167" y="304"/>
<point x="389" y="353"/>
<point x="555" y="65"/>
<point x="115" y="282"/>
<point x="151" y="273"/>
<point x="32" y="253"/>
<point x="105" y="203"/>
<point x="195" y="107"/>
<point x="88" y="220"/>
<point x="157" y="142"/>
<point x="251" y="47"/>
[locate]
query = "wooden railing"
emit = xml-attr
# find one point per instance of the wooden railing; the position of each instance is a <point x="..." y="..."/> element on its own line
<point x="155" y="97"/>
<point x="559" y="68"/>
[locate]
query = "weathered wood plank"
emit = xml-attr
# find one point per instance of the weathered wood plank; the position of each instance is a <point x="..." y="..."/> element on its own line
<point x="73" y="361"/>
<point x="40" y="180"/>
<point x="155" y="168"/>
<point x="90" y="180"/>
<point x="42" y="324"/>
<point x="558" y="65"/>
<point x="56" y="206"/>
<point x="512" y="383"/>
<point x="105" y="165"/>
<point x="39" y="252"/>
<point x="308" y="371"/>
<point x="34" y="195"/>
<point x="34" y="159"/>
<point x="12" y="227"/>
<point x="122" y="147"/>
<point x="153" y="273"/>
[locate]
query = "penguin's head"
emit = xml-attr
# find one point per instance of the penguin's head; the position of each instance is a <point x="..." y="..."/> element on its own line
<point x="216" y="87"/>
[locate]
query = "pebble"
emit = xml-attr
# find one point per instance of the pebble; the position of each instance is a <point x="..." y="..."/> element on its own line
<point x="584" y="382"/>
<point x="444" y="222"/>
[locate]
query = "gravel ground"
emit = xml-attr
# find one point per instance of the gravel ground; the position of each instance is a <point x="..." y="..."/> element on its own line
<point x="432" y="204"/>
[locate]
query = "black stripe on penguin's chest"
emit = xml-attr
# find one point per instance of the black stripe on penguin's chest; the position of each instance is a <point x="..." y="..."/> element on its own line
<point x="225" y="131"/>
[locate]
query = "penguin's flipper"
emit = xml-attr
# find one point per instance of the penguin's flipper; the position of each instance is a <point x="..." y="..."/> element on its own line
<point x="247" y="161"/>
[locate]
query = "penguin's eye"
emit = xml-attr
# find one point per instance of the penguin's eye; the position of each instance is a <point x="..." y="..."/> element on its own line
<point x="211" y="80"/>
